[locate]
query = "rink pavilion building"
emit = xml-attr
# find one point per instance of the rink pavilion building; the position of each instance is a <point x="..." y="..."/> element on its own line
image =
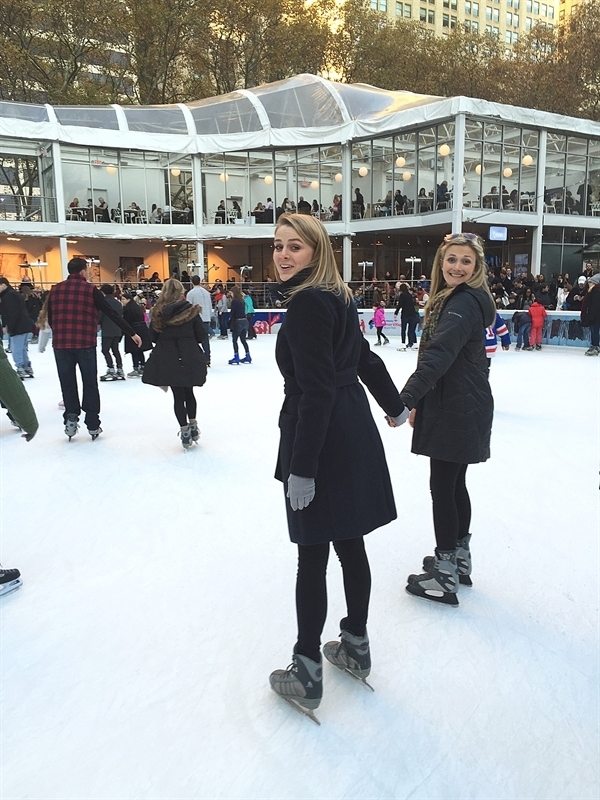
<point x="163" y="187"/>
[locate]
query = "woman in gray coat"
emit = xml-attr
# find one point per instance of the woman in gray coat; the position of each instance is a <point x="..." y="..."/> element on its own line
<point x="451" y="406"/>
<point x="327" y="433"/>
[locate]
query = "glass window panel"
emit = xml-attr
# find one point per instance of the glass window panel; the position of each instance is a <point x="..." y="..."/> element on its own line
<point x="233" y="113"/>
<point x="31" y="113"/>
<point x="331" y="177"/>
<point x="95" y="117"/>
<point x="104" y="182"/>
<point x="260" y="170"/>
<point x="303" y="105"/>
<point x="361" y="180"/>
<point x="76" y="180"/>
<point x="155" y="119"/>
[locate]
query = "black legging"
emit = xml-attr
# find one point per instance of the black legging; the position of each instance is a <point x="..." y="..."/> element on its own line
<point x="451" y="503"/>
<point x="239" y="328"/>
<point x="311" y="591"/>
<point x="184" y="404"/>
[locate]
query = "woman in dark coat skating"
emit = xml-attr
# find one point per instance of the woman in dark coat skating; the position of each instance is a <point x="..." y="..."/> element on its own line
<point x="327" y="432"/>
<point x="451" y="406"/>
<point x="177" y="360"/>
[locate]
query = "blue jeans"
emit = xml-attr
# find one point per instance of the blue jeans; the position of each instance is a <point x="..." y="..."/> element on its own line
<point x="18" y="345"/>
<point x="523" y="335"/>
<point x="85" y="359"/>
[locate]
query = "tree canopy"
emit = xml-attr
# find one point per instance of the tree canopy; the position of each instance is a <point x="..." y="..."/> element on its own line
<point x="165" y="51"/>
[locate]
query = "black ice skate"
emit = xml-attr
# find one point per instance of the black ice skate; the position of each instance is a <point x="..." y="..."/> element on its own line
<point x="10" y="580"/>
<point x="440" y="582"/>
<point x="111" y="375"/>
<point x="186" y="436"/>
<point x="95" y="433"/>
<point x="194" y="430"/>
<point x="463" y="561"/>
<point x="351" y="654"/>
<point x="71" y="426"/>
<point x="300" y="685"/>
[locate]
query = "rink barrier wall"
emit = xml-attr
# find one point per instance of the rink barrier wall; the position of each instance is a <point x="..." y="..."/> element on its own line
<point x="561" y="328"/>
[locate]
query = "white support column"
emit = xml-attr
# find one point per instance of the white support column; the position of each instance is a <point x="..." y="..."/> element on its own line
<point x="58" y="183"/>
<point x="537" y="234"/>
<point x="64" y="255"/>
<point x="347" y="183"/>
<point x="197" y="186"/>
<point x="347" y="259"/>
<point x="200" y="260"/>
<point x="459" y="171"/>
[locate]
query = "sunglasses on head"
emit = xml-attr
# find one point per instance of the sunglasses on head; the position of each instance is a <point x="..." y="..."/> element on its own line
<point x="450" y="236"/>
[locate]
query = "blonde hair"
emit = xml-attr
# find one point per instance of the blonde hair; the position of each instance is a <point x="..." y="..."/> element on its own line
<point x="325" y="273"/>
<point x="478" y="280"/>
<point x="172" y="291"/>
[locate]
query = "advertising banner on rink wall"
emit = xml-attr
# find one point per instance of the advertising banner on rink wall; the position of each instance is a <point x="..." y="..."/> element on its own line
<point x="561" y="327"/>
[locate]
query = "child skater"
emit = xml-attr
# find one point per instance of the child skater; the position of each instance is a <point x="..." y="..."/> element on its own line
<point x="379" y="320"/>
<point x="537" y="312"/>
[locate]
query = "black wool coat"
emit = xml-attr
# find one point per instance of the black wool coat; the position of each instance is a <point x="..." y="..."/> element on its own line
<point x="14" y="313"/>
<point x="450" y="388"/>
<point x="134" y="315"/>
<point x="327" y="431"/>
<point x="177" y="359"/>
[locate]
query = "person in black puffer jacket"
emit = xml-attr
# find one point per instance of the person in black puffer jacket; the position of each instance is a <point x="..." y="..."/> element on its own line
<point x="18" y="325"/>
<point x="451" y="406"/>
<point x="178" y="360"/>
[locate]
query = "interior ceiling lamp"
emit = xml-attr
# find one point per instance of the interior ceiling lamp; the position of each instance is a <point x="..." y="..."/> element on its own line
<point x="13" y="239"/>
<point x="223" y="177"/>
<point x="338" y="177"/>
<point x="314" y="184"/>
<point x="479" y="169"/>
<point x="72" y="241"/>
<point x="218" y="246"/>
<point x="507" y="172"/>
<point x="111" y="169"/>
<point x="268" y="179"/>
<point x="527" y="160"/>
<point x="400" y="161"/>
<point x="444" y="150"/>
<point x="363" y="171"/>
<point x="175" y="172"/>
<point x="91" y="261"/>
<point x="406" y="176"/>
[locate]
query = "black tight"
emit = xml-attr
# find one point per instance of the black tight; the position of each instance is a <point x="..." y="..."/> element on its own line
<point x="185" y="404"/>
<point x="451" y="503"/>
<point x="311" y="591"/>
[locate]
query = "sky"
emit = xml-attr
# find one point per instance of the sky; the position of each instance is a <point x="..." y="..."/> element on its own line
<point x="158" y="595"/>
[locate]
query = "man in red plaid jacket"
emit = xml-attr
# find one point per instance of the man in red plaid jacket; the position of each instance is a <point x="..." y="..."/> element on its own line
<point x="73" y="309"/>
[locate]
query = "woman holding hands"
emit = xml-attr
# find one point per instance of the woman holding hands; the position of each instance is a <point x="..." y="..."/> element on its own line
<point x="327" y="432"/>
<point x="451" y="406"/>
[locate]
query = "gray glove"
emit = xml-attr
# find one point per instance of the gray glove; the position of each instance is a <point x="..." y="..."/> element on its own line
<point x="400" y="419"/>
<point x="301" y="491"/>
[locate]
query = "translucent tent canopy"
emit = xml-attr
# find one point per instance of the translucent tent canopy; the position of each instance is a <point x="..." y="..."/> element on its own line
<point x="302" y="110"/>
<point x="305" y="103"/>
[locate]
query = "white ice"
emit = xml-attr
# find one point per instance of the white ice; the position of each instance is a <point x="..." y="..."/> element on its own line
<point x="158" y="596"/>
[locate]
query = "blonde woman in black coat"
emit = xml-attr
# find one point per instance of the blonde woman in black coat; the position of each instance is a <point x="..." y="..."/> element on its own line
<point x="327" y="432"/>
<point x="452" y="407"/>
<point x="177" y="360"/>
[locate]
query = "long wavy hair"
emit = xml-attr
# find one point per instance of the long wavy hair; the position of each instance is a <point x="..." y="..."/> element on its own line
<point x="324" y="271"/>
<point x="478" y="280"/>
<point x="172" y="291"/>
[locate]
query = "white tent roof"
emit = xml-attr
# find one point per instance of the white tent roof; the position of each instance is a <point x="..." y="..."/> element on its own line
<point x="300" y="111"/>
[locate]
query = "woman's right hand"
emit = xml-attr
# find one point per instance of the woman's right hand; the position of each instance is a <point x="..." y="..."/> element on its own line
<point x="411" y="417"/>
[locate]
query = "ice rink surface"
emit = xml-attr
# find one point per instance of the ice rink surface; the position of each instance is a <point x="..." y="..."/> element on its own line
<point x="159" y="594"/>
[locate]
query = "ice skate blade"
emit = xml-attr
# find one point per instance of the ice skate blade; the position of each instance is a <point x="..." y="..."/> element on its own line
<point x="307" y="712"/>
<point x="444" y="598"/>
<point x="465" y="580"/>
<point x="356" y="677"/>
<point x="11" y="586"/>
